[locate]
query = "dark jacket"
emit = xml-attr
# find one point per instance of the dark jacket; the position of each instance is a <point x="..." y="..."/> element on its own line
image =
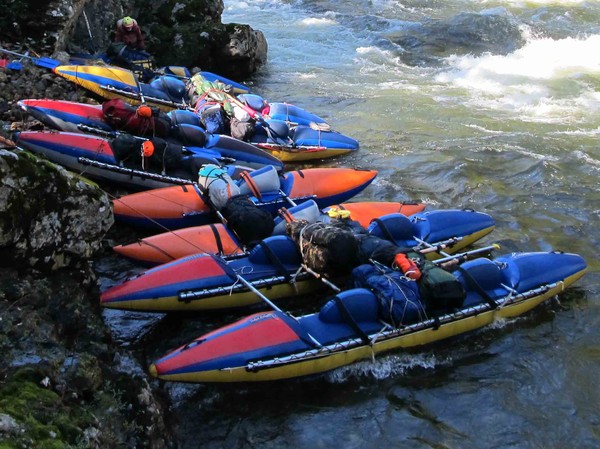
<point x="132" y="38"/>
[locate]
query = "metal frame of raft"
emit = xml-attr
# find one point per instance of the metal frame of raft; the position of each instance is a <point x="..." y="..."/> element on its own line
<point x="303" y="273"/>
<point x="144" y="98"/>
<point x="385" y="335"/>
<point x="133" y="172"/>
<point x="188" y="296"/>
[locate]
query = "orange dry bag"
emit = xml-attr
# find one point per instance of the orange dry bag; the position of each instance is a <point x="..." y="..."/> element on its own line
<point x="407" y="266"/>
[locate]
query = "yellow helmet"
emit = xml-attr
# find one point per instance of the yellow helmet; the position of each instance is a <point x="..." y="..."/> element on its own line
<point x="127" y="22"/>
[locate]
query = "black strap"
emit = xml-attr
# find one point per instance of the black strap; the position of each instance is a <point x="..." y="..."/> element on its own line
<point x="276" y="261"/>
<point x="384" y="229"/>
<point x="298" y="329"/>
<point x="157" y="248"/>
<point x="218" y="240"/>
<point x="471" y="282"/>
<point x="351" y="321"/>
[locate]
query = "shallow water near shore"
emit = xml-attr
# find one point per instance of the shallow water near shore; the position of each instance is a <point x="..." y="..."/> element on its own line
<point x="454" y="117"/>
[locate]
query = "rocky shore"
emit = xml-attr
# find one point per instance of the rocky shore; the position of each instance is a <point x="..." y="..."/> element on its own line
<point x="64" y="380"/>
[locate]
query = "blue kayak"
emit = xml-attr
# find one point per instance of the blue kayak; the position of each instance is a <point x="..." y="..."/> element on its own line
<point x="354" y="325"/>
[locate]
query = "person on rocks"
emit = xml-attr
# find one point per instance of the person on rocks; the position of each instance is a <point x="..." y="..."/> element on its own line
<point x="128" y="48"/>
<point x="129" y="33"/>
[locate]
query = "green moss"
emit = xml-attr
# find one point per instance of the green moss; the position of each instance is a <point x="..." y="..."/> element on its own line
<point x="9" y="445"/>
<point x="47" y="421"/>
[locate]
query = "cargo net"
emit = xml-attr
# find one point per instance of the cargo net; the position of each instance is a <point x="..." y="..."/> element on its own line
<point x="328" y="248"/>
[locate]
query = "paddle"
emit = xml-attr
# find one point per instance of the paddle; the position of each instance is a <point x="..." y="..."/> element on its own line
<point x="47" y="63"/>
<point x="89" y="29"/>
<point x="321" y="278"/>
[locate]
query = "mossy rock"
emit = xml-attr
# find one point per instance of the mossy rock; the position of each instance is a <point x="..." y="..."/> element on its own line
<point x="46" y="422"/>
<point x="52" y="218"/>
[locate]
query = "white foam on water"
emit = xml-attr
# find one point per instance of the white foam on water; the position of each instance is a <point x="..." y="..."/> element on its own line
<point x="546" y="80"/>
<point x="589" y="160"/>
<point x="530" y="3"/>
<point x="482" y="129"/>
<point x="383" y="367"/>
<point x="314" y="21"/>
<point x="374" y="58"/>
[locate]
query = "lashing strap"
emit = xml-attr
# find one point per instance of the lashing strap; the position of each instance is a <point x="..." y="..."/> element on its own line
<point x="351" y="321"/>
<point x="251" y="184"/>
<point x="384" y="229"/>
<point x="276" y="261"/>
<point x="218" y="240"/>
<point x="471" y="282"/>
<point x="286" y="215"/>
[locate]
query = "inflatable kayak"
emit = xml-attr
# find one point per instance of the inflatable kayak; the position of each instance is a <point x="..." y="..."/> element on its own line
<point x="125" y="166"/>
<point x="205" y="281"/>
<point x="218" y="239"/>
<point x="288" y="144"/>
<point x="351" y="327"/>
<point x="184" y="206"/>
<point x="166" y="92"/>
<point x="141" y="61"/>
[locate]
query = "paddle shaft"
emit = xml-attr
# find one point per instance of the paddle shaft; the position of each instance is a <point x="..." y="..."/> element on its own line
<point x="438" y="247"/>
<point x="326" y="281"/>
<point x="258" y="293"/>
<point x="87" y="24"/>
<point x="14" y="53"/>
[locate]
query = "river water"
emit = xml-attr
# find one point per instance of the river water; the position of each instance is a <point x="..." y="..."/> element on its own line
<point x="490" y="105"/>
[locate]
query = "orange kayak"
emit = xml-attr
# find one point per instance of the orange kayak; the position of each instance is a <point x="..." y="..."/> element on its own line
<point x="218" y="239"/>
<point x="184" y="206"/>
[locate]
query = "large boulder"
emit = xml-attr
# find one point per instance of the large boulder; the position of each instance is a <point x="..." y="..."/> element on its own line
<point x="51" y="218"/>
<point x="65" y="382"/>
<point x="190" y="33"/>
<point x="178" y="32"/>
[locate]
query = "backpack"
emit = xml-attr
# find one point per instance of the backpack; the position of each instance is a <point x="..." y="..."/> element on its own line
<point x="440" y="290"/>
<point x="127" y="149"/>
<point x="327" y="248"/>
<point x="125" y="117"/>
<point x="398" y="296"/>
<point x="213" y="119"/>
<point x="241" y="130"/>
<point x="250" y="223"/>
